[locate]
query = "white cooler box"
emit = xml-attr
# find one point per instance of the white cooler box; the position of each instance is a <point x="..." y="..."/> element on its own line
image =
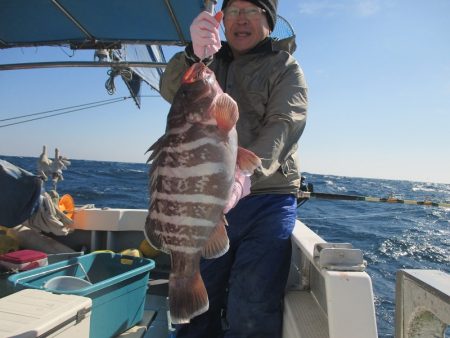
<point x="34" y="313"/>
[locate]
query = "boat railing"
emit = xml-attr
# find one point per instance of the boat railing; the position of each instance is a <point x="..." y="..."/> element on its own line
<point x="422" y="303"/>
<point x="329" y="295"/>
<point x="105" y="227"/>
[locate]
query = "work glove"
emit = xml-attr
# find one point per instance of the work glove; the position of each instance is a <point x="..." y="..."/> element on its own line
<point x="205" y="34"/>
<point x="48" y="218"/>
<point x="240" y="189"/>
<point x="59" y="164"/>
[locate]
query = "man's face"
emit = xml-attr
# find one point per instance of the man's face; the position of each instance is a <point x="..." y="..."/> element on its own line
<point x="243" y="32"/>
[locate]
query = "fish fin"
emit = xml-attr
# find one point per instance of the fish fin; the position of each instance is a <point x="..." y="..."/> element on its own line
<point x="187" y="297"/>
<point x="247" y="160"/>
<point x="154" y="148"/>
<point x="218" y="243"/>
<point x="149" y="232"/>
<point x="226" y="112"/>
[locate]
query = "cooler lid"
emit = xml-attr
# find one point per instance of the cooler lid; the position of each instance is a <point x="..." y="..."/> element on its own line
<point x="23" y="256"/>
<point x="40" y="311"/>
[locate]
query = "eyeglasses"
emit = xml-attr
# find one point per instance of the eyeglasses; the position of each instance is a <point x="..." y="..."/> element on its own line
<point x="250" y="12"/>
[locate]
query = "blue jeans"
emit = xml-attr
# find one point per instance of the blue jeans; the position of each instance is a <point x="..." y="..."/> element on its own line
<point x="248" y="281"/>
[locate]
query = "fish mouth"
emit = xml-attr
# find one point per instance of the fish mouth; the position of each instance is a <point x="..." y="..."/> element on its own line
<point x="195" y="73"/>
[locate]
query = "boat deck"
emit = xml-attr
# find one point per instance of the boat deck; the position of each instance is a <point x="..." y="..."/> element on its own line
<point x="156" y="308"/>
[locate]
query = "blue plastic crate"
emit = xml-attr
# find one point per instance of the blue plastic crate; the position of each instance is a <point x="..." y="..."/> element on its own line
<point x="118" y="287"/>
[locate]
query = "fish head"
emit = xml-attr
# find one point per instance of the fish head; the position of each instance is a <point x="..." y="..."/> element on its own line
<point x="197" y="72"/>
<point x="199" y="89"/>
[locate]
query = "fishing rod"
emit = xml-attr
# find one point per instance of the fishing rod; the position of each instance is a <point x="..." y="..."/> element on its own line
<point x="303" y="196"/>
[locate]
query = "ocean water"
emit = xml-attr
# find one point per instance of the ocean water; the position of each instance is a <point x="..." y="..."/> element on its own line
<point x="392" y="236"/>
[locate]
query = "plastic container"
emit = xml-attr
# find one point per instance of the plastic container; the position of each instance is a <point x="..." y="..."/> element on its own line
<point x="23" y="260"/>
<point x="65" y="283"/>
<point x="36" y="313"/>
<point x="118" y="287"/>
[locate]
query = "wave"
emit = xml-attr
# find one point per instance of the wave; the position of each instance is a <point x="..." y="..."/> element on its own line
<point x="391" y="236"/>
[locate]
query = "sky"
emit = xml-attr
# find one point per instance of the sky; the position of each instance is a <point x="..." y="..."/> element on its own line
<point x="378" y="73"/>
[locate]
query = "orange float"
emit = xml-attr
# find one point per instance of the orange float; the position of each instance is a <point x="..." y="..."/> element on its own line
<point x="67" y="205"/>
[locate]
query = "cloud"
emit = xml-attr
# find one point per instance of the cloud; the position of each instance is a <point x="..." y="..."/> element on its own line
<point x="362" y="8"/>
<point x="367" y="7"/>
<point x="320" y="7"/>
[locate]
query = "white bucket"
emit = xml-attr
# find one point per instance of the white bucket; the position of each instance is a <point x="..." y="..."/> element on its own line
<point x="66" y="283"/>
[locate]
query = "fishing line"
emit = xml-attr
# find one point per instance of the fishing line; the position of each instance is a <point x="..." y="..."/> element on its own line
<point x="59" y="109"/>
<point x="67" y="112"/>
<point x="79" y="107"/>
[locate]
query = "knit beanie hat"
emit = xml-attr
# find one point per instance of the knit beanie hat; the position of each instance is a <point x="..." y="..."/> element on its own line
<point x="270" y="6"/>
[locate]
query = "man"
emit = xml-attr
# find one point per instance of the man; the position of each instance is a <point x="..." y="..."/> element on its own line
<point x="268" y="84"/>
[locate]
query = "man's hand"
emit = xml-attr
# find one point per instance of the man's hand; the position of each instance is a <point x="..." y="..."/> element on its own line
<point x="205" y="34"/>
<point x="240" y="189"/>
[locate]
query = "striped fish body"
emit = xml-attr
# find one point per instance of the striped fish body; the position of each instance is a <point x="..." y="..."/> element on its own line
<point x="191" y="175"/>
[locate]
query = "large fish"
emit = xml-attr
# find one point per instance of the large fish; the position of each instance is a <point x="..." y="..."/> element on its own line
<point x="191" y="176"/>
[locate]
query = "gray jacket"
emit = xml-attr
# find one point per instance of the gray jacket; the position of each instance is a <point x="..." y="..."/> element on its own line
<point x="271" y="92"/>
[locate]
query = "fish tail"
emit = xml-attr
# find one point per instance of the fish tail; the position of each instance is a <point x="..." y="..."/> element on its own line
<point x="187" y="297"/>
<point x="218" y="243"/>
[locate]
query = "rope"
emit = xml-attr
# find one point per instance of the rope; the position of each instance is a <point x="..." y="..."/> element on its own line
<point x="126" y="74"/>
<point x="308" y="195"/>
<point x="354" y="216"/>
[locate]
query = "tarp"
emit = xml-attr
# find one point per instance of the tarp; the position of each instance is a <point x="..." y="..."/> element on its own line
<point x="133" y="29"/>
<point x="85" y="23"/>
